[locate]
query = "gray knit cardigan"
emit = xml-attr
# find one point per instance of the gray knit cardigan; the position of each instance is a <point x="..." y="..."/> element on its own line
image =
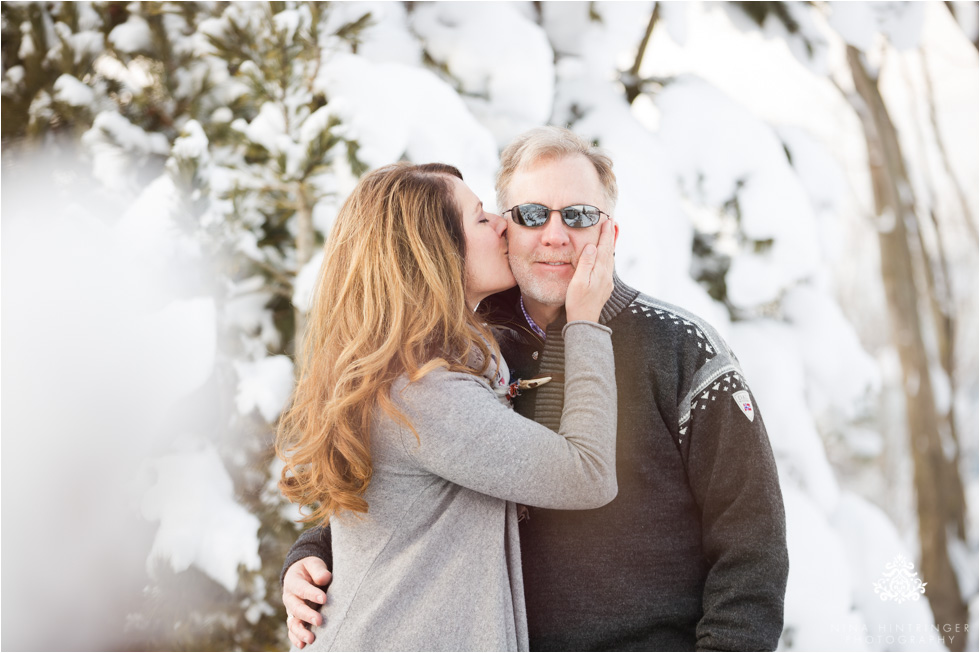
<point x="435" y="563"/>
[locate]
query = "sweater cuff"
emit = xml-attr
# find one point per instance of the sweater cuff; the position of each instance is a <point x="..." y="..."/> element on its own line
<point x="594" y="325"/>
<point x="297" y="553"/>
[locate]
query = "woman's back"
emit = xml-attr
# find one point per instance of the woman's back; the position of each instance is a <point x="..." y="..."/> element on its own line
<point x="431" y="561"/>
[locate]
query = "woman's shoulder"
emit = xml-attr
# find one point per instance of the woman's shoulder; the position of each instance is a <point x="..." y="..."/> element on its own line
<point x="434" y="405"/>
<point x="436" y="384"/>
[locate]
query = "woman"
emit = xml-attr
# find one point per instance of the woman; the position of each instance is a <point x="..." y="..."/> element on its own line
<point x="399" y="432"/>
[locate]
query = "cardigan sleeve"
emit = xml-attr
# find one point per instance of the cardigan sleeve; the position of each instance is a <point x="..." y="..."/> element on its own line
<point x="466" y="436"/>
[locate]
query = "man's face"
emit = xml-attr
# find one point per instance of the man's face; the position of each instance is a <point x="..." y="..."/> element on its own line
<point x="543" y="258"/>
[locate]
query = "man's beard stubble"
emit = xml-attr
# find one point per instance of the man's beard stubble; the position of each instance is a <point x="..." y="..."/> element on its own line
<point x="546" y="292"/>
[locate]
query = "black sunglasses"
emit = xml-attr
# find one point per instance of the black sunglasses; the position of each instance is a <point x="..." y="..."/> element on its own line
<point x="578" y="216"/>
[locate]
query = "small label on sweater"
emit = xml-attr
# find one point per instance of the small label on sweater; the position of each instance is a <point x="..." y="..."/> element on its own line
<point x="744" y="403"/>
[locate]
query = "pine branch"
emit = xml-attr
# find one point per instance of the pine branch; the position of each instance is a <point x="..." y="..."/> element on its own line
<point x="632" y="82"/>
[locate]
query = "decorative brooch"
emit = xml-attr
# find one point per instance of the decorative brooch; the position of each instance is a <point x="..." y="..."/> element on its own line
<point x="525" y="384"/>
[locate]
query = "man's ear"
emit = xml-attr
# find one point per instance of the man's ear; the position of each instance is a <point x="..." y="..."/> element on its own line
<point x="615" y="235"/>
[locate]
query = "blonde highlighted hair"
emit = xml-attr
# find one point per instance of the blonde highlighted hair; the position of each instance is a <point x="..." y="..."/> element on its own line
<point x="550" y="142"/>
<point x="389" y="301"/>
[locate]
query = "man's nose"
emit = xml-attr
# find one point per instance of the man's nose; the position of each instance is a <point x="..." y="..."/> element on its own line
<point x="499" y="225"/>
<point x="554" y="233"/>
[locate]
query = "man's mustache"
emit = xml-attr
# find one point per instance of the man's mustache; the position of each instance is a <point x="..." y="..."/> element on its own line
<point x="554" y="258"/>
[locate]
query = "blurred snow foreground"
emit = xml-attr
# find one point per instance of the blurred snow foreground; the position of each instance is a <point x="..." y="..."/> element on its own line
<point x="158" y="268"/>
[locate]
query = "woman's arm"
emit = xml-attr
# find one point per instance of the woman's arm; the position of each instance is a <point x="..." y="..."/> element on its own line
<point x="466" y="435"/>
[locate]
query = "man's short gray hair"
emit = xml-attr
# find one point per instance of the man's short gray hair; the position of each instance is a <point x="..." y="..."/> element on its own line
<point x="552" y="142"/>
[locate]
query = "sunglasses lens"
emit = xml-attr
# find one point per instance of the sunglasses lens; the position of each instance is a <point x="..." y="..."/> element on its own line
<point x="580" y="216"/>
<point x="531" y="215"/>
<point x="577" y="217"/>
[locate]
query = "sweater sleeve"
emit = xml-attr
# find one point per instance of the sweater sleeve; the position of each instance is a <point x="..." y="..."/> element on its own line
<point x="312" y="542"/>
<point x="468" y="437"/>
<point x="734" y="480"/>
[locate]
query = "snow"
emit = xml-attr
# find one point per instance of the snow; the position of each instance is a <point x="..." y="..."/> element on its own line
<point x="264" y="385"/>
<point x="192" y="144"/>
<point x="859" y="22"/>
<point x="674" y="17"/>
<point x="324" y="213"/>
<point x="114" y="142"/>
<point x="245" y="311"/>
<point x="314" y="125"/>
<point x="222" y="115"/>
<point x="826" y="185"/>
<point x="693" y="116"/>
<point x="149" y="234"/>
<point x="134" y="75"/>
<point x="184" y="345"/>
<point x="841" y="376"/>
<point x="287" y="22"/>
<point x="201" y="524"/>
<point x="133" y="36"/>
<point x="967" y="15"/>
<point x="387" y="38"/>
<point x="753" y="280"/>
<point x="871" y="543"/>
<point x="305" y="284"/>
<point x="69" y="90"/>
<point x="509" y="92"/>
<point x="429" y="123"/>
<point x="26" y="42"/>
<point x="268" y="128"/>
<point x="775" y="373"/>
<point x="949" y="60"/>
<point x="256" y="606"/>
<point x="88" y="18"/>
<point x="87" y="45"/>
<point x="818" y="614"/>
<point x="14" y="74"/>
<point x="106" y="351"/>
<point x="721" y="153"/>
<point x="608" y="43"/>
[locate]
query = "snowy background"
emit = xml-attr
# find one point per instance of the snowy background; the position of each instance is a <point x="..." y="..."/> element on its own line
<point x="169" y="174"/>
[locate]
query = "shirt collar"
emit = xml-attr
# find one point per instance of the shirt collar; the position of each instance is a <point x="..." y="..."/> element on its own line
<point x="534" y="326"/>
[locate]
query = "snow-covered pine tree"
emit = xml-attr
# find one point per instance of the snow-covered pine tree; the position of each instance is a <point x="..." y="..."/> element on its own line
<point x="914" y="271"/>
<point x="211" y="112"/>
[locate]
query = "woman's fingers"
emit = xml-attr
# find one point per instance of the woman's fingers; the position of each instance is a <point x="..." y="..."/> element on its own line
<point x="607" y="242"/>
<point x="586" y="262"/>
<point x="592" y="283"/>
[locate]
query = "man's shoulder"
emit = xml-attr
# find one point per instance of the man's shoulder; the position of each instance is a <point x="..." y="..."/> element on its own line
<point x="677" y="343"/>
<point x="673" y="325"/>
<point x="684" y="351"/>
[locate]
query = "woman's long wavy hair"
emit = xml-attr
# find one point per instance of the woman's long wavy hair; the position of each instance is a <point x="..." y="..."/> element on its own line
<point x="389" y="301"/>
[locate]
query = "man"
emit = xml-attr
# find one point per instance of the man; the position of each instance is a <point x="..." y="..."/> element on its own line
<point x="692" y="552"/>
